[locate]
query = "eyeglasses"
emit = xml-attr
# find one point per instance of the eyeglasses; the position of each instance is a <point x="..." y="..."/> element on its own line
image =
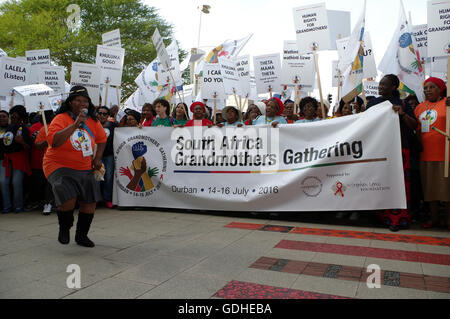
<point x="102" y="113"/>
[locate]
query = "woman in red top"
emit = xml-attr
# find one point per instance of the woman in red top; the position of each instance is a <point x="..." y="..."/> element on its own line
<point x="148" y="114"/>
<point x="199" y="112"/>
<point x="69" y="162"/>
<point x="432" y="114"/>
<point x="16" y="163"/>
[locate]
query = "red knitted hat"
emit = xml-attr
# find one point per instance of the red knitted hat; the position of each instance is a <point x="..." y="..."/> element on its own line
<point x="438" y="82"/>
<point x="193" y="105"/>
<point x="280" y="105"/>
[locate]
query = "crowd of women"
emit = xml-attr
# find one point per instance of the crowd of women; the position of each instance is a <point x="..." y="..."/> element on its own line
<point x="52" y="169"/>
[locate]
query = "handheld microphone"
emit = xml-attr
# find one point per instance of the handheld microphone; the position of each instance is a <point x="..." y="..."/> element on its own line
<point x="85" y="113"/>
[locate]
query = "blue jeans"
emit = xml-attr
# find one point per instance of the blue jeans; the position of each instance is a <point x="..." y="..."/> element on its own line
<point x="17" y="182"/>
<point x="108" y="161"/>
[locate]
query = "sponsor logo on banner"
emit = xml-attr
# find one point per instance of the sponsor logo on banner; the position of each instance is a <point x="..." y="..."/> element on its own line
<point x="143" y="176"/>
<point x="339" y="189"/>
<point x="311" y="186"/>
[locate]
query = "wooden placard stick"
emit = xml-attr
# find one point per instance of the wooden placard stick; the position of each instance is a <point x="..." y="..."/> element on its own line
<point x="117" y="94"/>
<point x="235" y="98"/>
<point x="364" y="95"/>
<point x="316" y="61"/>
<point x="44" y="120"/>
<point x="11" y="103"/>
<point x="215" y="108"/>
<point x="270" y="91"/>
<point x="447" y="129"/>
<point x="106" y="92"/>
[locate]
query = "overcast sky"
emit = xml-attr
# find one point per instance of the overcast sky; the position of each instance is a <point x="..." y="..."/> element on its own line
<point x="272" y="22"/>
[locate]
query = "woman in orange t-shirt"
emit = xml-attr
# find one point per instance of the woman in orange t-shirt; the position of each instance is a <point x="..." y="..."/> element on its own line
<point x="432" y="113"/>
<point x="70" y="160"/>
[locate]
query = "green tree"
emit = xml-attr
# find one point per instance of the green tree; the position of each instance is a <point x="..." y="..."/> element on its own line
<point x="41" y="24"/>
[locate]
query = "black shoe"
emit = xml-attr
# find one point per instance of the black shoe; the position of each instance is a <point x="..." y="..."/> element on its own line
<point x="83" y="225"/>
<point x="394" y="228"/>
<point x="65" y="220"/>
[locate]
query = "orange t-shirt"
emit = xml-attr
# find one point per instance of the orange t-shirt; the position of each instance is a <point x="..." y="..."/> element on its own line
<point x="432" y="141"/>
<point x="70" y="153"/>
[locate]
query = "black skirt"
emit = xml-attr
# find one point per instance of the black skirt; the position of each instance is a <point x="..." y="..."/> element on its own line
<point x="69" y="183"/>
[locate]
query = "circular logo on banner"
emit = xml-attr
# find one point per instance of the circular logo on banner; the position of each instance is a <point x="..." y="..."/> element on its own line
<point x="311" y="186"/>
<point x="78" y="138"/>
<point x="447" y="48"/>
<point x="107" y="131"/>
<point x="141" y="164"/>
<point x="8" y="138"/>
<point x="430" y="116"/>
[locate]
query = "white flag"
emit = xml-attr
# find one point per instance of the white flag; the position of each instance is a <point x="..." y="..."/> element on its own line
<point x="229" y="49"/>
<point x="402" y="57"/>
<point x="352" y="61"/>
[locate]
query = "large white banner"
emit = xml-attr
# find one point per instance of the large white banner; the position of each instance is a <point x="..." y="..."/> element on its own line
<point x="267" y="73"/>
<point x="297" y="69"/>
<point x="347" y="163"/>
<point x="311" y="27"/>
<point x="87" y="75"/>
<point x="110" y="61"/>
<point x="438" y="18"/>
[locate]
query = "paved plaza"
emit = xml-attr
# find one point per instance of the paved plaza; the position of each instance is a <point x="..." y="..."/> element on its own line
<point x="143" y="254"/>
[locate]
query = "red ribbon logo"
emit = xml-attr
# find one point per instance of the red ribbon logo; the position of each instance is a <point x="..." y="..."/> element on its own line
<point x="339" y="191"/>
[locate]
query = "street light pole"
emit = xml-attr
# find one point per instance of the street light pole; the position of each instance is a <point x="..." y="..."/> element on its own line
<point x="204" y="9"/>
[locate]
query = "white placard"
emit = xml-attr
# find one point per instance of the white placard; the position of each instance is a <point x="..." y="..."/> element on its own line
<point x="2" y="53"/>
<point x="297" y="69"/>
<point x="13" y="73"/>
<point x="311" y="27"/>
<point x="420" y="34"/>
<point x="36" y="96"/>
<point x="339" y="26"/>
<point x="212" y="82"/>
<point x="363" y="171"/>
<point x="371" y="88"/>
<point x="267" y="73"/>
<point x="370" y="67"/>
<point x="37" y="58"/>
<point x="110" y="61"/>
<point x="165" y="74"/>
<point x="438" y="18"/>
<point x="230" y="76"/>
<point x="112" y="38"/>
<point x="87" y="75"/>
<point x="161" y="51"/>
<point x="439" y="67"/>
<point x="52" y="76"/>
<point x="243" y="69"/>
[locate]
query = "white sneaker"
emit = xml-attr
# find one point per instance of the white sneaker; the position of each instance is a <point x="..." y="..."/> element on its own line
<point x="354" y="216"/>
<point x="47" y="209"/>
